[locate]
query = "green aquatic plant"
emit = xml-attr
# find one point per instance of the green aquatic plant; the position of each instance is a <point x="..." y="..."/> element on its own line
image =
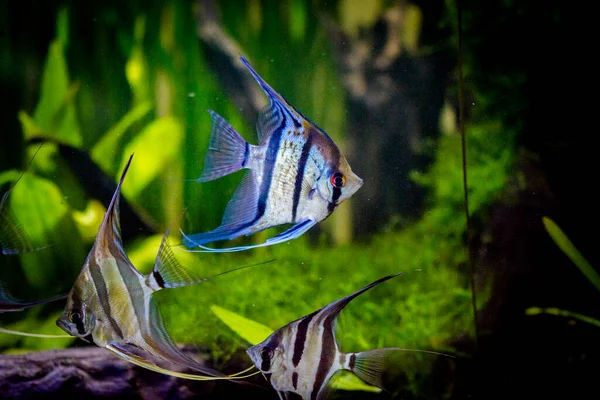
<point x="569" y="249"/>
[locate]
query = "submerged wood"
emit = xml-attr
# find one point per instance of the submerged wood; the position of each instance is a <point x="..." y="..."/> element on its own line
<point x="92" y="372"/>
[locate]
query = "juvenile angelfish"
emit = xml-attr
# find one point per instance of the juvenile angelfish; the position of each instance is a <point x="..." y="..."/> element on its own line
<point x="297" y="175"/>
<point x="111" y="303"/>
<point x="302" y="356"/>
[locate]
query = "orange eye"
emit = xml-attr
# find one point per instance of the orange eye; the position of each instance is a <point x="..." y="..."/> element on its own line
<point x="338" y="179"/>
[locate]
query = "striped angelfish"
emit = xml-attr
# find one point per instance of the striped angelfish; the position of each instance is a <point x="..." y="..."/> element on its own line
<point x="111" y="303"/>
<point x="297" y="174"/>
<point x="302" y="356"/>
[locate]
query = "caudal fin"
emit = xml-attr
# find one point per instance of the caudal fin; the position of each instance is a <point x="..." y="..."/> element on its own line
<point x="227" y="151"/>
<point x="369" y="365"/>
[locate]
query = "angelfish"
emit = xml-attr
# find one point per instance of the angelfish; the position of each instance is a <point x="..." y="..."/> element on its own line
<point x="302" y="356"/>
<point x="297" y="174"/>
<point x="111" y="303"/>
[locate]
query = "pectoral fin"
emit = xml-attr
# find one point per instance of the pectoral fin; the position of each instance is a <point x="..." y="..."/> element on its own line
<point x="122" y="352"/>
<point x="159" y="342"/>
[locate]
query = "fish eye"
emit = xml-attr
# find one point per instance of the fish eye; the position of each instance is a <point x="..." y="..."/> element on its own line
<point x="75" y="317"/>
<point x="266" y="353"/>
<point x="337" y="179"/>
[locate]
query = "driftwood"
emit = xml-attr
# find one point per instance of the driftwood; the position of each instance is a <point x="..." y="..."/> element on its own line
<point x="92" y="372"/>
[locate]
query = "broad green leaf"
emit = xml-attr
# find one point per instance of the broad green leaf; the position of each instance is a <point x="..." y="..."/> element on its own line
<point x="88" y="221"/>
<point x="38" y="214"/>
<point x="106" y="150"/>
<point x="298" y="19"/>
<point x="345" y="380"/>
<point x="562" y="313"/>
<point x="154" y="147"/>
<point x="62" y="27"/>
<point x="254" y="333"/>
<point x="29" y="126"/>
<point x="249" y="330"/>
<point x="55" y="112"/>
<point x="563" y="242"/>
<point x="43" y="212"/>
<point x="136" y="68"/>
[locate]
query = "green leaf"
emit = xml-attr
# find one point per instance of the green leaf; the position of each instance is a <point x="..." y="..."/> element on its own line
<point x="254" y="333"/>
<point x="46" y="219"/>
<point x="29" y="126"/>
<point x="563" y="242"/>
<point x="105" y="151"/>
<point x="562" y="313"/>
<point x="345" y="380"/>
<point x="156" y="146"/>
<point x="55" y="112"/>
<point x="251" y="331"/>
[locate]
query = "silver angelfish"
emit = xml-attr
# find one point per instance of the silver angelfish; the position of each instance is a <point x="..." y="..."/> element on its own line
<point x="297" y="174"/>
<point x="302" y="356"/>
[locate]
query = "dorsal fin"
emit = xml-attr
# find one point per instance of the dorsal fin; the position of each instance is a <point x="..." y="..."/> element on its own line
<point x="109" y="233"/>
<point x="332" y="310"/>
<point x="277" y="112"/>
<point x="168" y="272"/>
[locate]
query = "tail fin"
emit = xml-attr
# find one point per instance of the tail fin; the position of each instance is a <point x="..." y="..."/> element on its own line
<point x="368" y="365"/>
<point x="227" y="152"/>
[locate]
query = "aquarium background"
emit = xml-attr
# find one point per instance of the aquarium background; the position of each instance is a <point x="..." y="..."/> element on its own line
<point x="419" y="110"/>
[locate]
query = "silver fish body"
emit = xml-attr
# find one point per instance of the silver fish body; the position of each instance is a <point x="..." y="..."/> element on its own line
<point x="302" y="356"/>
<point x="297" y="174"/>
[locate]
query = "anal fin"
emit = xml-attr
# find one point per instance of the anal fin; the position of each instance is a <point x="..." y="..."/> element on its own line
<point x="294" y="232"/>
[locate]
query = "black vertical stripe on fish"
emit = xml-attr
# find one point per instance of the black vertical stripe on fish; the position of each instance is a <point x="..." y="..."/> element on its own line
<point x="337" y="192"/>
<point x="295" y="380"/>
<point x="299" y="343"/>
<point x="327" y="355"/>
<point x="100" y="286"/>
<point x="300" y="174"/>
<point x="270" y="159"/>
<point x="265" y="364"/>
<point x="158" y="278"/>
<point x="246" y="155"/>
<point x="352" y="361"/>
<point x="79" y="325"/>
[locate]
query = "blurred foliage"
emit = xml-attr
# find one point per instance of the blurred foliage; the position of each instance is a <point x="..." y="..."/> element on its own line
<point x="146" y="88"/>
<point x="567" y="247"/>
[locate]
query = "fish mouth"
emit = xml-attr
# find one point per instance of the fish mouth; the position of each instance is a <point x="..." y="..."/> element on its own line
<point x="63" y="325"/>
